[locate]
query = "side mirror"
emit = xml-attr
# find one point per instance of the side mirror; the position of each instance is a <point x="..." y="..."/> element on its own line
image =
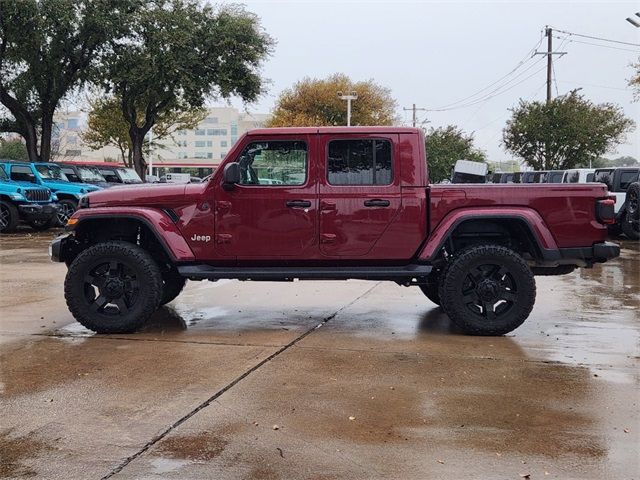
<point x="231" y="175"/>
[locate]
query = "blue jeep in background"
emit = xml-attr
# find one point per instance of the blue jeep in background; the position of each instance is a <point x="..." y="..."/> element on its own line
<point x="25" y="201"/>
<point x="50" y="176"/>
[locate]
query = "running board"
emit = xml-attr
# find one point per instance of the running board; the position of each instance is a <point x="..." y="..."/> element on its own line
<point x="208" y="272"/>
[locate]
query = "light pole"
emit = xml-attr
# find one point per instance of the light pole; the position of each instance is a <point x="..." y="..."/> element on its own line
<point x="634" y="21"/>
<point x="348" y="97"/>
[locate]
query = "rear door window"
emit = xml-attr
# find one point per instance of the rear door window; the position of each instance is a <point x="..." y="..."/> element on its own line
<point x="359" y="162"/>
<point x="627" y="178"/>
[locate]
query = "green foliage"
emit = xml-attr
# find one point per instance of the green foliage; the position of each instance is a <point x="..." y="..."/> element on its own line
<point x="445" y="146"/>
<point x="13" y="150"/>
<point x="106" y="125"/>
<point x="634" y="82"/>
<point x="47" y="49"/>
<point x="179" y="54"/>
<point x="313" y="102"/>
<point x="602" y="162"/>
<point x="565" y="132"/>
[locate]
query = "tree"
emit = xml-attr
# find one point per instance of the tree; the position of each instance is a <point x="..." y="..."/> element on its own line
<point x="567" y="131"/>
<point x="179" y="54"/>
<point x="47" y="49"/>
<point x="13" y="150"/>
<point x="445" y="146"/>
<point x="313" y="102"/>
<point x="634" y="82"/>
<point x="106" y="125"/>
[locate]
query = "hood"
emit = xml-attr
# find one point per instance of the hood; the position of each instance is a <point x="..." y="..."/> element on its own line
<point x="22" y="185"/>
<point x="63" y="185"/>
<point x="147" y="194"/>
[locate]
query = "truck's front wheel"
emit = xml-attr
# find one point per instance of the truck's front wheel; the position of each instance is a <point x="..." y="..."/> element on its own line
<point x="113" y="287"/>
<point x="487" y="290"/>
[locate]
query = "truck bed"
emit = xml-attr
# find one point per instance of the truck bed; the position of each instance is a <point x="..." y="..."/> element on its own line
<point x="568" y="210"/>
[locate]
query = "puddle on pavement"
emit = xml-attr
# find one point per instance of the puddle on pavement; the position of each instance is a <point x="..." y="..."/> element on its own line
<point x="201" y="447"/>
<point x="15" y="451"/>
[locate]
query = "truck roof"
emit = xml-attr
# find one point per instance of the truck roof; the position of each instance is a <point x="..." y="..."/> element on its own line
<point x="312" y="130"/>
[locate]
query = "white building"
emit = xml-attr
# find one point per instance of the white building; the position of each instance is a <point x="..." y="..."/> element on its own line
<point x="202" y="148"/>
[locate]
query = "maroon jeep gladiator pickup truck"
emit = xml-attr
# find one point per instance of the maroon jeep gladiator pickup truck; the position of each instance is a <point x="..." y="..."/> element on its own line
<point x="331" y="204"/>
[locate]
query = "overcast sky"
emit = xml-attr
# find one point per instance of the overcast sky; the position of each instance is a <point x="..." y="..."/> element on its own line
<point x="436" y="53"/>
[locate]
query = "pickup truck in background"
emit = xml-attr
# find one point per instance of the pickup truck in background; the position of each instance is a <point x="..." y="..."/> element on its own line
<point x="50" y="176"/>
<point x="620" y="183"/>
<point x="331" y="203"/>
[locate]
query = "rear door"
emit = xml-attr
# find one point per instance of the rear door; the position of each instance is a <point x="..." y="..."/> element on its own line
<point x="359" y="188"/>
<point x="273" y="212"/>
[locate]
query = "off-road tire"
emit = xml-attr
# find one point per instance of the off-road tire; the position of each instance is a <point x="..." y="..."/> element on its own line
<point x="431" y="291"/>
<point x="487" y="275"/>
<point x="66" y="209"/>
<point x="10" y="217"/>
<point x="42" y="225"/>
<point x="631" y="222"/>
<point x="126" y="257"/>
<point x="173" y="283"/>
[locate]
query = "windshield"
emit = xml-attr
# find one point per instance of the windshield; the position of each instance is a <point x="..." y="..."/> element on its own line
<point x="3" y="174"/>
<point x="90" y="174"/>
<point x="129" y="175"/>
<point x="51" y="172"/>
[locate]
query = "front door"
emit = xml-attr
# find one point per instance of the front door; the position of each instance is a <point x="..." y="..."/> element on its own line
<point x="359" y="192"/>
<point x="273" y="211"/>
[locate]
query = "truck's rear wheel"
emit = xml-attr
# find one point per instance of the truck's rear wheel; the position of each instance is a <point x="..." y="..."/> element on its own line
<point x="487" y="290"/>
<point x="431" y="288"/>
<point x="173" y="283"/>
<point x="113" y="287"/>
<point x="631" y="222"/>
<point x="8" y="217"/>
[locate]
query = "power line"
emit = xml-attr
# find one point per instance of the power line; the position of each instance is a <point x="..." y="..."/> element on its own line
<point x="493" y="95"/>
<point x="598" y="45"/>
<point x="524" y="60"/>
<point x="597" y="38"/>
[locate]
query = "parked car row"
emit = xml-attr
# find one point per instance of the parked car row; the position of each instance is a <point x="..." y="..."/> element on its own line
<point x="46" y="194"/>
<point x="622" y="182"/>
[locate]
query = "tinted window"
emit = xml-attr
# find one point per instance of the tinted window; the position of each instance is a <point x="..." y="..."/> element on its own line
<point x="22" y="174"/>
<point x="627" y="178"/>
<point x="110" y="176"/>
<point x="71" y="175"/>
<point x="572" y="177"/>
<point x="555" y="177"/>
<point x="273" y="163"/>
<point x="591" y="177"/>
<point x="359" y="162"/>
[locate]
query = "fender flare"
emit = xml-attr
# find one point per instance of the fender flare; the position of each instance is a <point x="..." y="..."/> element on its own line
<point x="158" y="222"/>
<point x="528" y="217"/>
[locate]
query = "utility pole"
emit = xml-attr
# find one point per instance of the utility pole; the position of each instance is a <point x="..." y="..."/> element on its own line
<point x="549" y="53"/>
<point x="349" y="97"/>
<point x="414" y="109"/>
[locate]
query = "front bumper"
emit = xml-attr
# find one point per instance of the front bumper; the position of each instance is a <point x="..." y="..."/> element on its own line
<point x="37" y="211"/>
<point x="61" y="246"/>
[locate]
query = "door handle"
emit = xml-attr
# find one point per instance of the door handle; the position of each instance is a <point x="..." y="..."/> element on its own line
<point x="298" y="204"/>
<point x="376" y="202"/>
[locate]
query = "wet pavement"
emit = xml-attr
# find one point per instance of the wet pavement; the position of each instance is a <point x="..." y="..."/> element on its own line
<point x="319" y="380"/>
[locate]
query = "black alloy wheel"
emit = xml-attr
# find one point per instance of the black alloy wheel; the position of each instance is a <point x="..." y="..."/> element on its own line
<point x="8" y="217"/>
<point x="113" y="287"/>
<point x="66" y="208"/>
<point x="488" y="290"/>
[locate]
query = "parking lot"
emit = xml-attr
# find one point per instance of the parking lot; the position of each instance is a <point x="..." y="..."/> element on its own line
<point x="319" y="380"/>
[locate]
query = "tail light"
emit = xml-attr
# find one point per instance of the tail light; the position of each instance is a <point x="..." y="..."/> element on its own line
<point x="605" y="211"/>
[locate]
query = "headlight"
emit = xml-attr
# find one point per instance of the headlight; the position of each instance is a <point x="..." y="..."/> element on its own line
<point x="17" y="196"/>
<point x="54" y="197"/>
